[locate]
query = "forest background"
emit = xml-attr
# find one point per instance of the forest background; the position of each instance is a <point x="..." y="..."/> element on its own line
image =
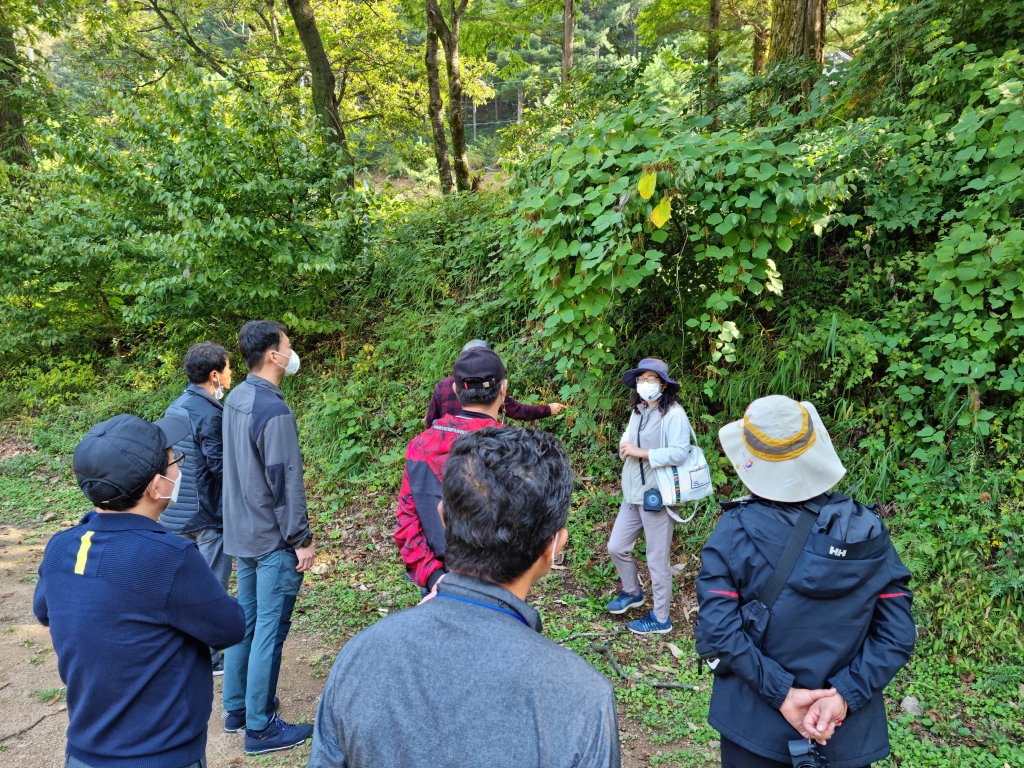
<point x="813" y="199"/>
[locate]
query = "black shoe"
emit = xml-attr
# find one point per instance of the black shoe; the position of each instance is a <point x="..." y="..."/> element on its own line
<point x="234" y="719"/>
<point x="276" y="736"/>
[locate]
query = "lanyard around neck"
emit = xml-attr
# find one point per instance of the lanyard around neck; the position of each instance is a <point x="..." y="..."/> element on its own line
<point x="483" y="605"/>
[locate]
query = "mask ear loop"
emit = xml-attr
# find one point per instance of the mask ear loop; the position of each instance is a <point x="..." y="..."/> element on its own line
<point x="554" y="549"/>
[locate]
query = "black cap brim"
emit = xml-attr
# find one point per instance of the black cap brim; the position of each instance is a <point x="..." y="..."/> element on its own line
<point x="175" y="429"/>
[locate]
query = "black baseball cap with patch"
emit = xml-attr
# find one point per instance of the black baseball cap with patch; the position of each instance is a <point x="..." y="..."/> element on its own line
<point x="120" y="455"/>
<point x="478" y="368"/>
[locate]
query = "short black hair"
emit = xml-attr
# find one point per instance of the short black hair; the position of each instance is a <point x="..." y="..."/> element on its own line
<point x="203" y="359"/>
<point x="480" y="396"/>
<point x="256" y="337"/>
<point x="506" y="494"/>
<point x="132" y="498"/>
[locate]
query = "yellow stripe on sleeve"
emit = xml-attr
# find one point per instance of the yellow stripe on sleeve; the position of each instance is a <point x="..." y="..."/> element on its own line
<point x="83" y="552"/>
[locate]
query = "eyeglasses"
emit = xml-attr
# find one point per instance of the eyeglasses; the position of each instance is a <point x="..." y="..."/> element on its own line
<point x="179" y="456"/>
<point x="649" y="378"/>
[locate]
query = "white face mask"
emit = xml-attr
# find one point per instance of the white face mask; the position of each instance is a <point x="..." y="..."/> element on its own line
<point x="218" y="392"/>
<point x="293" y="364"/>
<point x="554" y="549"/>
<point x="174" y="490"/>
<point x="648" y="390"/>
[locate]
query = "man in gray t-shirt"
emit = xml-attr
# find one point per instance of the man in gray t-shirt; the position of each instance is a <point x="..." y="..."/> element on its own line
<point x="466" y="678"/>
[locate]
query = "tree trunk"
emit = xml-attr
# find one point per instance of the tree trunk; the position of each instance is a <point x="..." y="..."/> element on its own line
<point x="14" y="145"/>
<point x="322" y="82"/>
<point x="435" y="110"/>
<point x="798" y="30"/>
<point x="760" y="49"/>
<point x="275" y="31"/>
<point x="448" y="33"/>
<point x="714" y="23"/>
<point x="474" y="121"/>
<point x="568" y="33"/>
<point x="519" y="105"/>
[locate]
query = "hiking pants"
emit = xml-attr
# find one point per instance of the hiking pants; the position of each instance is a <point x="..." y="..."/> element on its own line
<point x="657" y="528"/>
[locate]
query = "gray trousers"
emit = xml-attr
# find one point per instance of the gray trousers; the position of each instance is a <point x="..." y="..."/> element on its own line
<point x="657" y="528"/>
<point x="211" y="546"/>
<point x="74" y="762"/>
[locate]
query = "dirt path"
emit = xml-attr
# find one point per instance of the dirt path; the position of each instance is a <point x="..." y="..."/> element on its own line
<point x="31" y="692"/>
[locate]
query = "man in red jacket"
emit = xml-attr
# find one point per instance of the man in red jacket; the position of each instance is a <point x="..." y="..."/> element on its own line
<point x="445" y="401"/>
<point x="479" y="377"/>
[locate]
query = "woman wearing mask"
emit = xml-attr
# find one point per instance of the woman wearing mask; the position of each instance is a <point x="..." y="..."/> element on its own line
<point x="658" y="435"/>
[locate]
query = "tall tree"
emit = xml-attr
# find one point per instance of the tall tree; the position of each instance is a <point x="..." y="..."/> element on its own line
<point x="448" y="31"/>
<point x="321" y="74"/>
<point x="14" y="145"/>
<point x="798" y="30"/>
<point x="568" y="33"/>
<point x="435" y="110"/>
<point x="714" y="46"/>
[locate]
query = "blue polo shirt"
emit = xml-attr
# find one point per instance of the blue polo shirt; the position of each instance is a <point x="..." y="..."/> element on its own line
<point x="133" y="610"/>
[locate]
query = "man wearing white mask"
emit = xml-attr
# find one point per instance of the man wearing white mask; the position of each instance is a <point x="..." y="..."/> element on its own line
<point x="267" y="529"/>
<point x="197" y="514"/>
<point x="133" y="609"/>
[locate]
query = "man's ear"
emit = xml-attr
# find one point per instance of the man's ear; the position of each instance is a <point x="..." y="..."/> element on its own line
<point x="152" y="491"/>
<point x="440" y="512"/>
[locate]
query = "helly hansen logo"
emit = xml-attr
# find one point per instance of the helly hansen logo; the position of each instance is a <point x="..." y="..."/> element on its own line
<point x="837" y="552"/>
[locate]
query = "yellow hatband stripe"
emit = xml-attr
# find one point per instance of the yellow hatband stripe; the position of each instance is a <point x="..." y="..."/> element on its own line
<point x="83" y="552"/>
<point x="781" y="456"/>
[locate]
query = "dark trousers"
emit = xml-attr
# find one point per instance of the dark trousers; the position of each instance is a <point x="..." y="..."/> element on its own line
<point x="74" y="762"/>
<point x="735" y="756"/>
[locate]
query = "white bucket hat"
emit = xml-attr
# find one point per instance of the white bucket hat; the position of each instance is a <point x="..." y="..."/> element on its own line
<point x="781" y="450"/>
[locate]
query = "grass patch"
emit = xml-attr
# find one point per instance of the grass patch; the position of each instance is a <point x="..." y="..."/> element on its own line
<point x="48" y="695"/>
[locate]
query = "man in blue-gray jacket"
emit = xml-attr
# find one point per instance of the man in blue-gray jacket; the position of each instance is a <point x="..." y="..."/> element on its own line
<point x="837" y="632"/>
<point x="133" y="609"/>
<point x="266" y="528"/>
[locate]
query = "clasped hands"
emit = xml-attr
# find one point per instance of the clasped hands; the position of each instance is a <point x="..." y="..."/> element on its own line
<point x="814" y="713"/>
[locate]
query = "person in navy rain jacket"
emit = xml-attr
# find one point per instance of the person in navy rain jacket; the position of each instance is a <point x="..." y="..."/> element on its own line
<point x="840" y="629"/>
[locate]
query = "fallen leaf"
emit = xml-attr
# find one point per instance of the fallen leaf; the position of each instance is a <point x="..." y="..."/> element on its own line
<point x="674" y="650"/>
<point x="663" y="669"/>
<point x="7" y="594"/>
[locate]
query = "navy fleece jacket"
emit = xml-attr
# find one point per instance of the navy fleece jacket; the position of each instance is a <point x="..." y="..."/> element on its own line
<point x="132" y="611"/>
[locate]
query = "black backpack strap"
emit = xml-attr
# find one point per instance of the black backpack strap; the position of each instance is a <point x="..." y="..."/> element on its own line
<point x="808" y="516"/>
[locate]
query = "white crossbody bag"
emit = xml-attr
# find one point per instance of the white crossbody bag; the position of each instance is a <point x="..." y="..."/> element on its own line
<point x="690" y="481"/>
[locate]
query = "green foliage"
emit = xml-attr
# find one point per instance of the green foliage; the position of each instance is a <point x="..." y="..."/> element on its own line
<point x="192" y="206"/>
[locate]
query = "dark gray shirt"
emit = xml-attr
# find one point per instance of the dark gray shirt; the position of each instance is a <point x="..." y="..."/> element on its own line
<point x="264" y="498"/>
<point x="450" y="683"/>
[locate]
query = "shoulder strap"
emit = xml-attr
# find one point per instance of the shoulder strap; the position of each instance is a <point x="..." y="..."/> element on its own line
<point x="808" y="515"/>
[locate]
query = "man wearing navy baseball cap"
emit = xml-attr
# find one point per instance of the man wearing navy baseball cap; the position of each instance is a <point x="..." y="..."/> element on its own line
<point x="132" y="608"/>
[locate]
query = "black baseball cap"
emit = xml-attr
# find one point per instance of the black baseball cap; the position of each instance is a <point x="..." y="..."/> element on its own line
<point x="478" y="368"/>
<point x="120" y="455"/>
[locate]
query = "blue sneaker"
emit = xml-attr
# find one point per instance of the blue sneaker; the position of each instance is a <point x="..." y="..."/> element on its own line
<point x="276" y="736"/>
<point x="649" y="625"/>
<point x="234" y="719"/>
<point x="624" y="601"/>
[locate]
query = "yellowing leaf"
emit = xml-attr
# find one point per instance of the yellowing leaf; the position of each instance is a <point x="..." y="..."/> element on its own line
<point x="646" y="185"/>
<point x="661" y="213"/>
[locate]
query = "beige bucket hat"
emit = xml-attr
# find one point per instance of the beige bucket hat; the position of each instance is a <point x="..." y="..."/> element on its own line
<point x="781" y="450"/>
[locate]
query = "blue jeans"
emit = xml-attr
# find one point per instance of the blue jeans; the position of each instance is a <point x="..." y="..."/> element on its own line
<point x="267" y="588"/>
